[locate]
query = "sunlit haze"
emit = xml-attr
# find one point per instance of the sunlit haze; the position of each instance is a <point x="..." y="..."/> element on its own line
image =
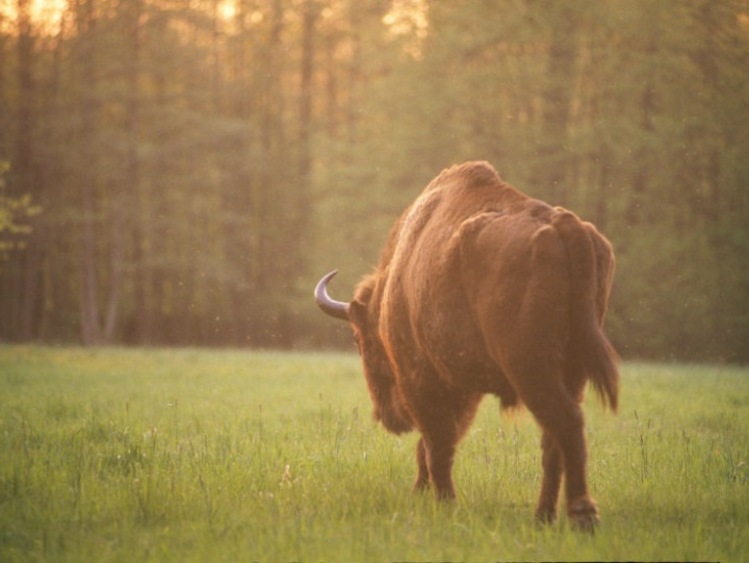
<point x="48" y="13"/>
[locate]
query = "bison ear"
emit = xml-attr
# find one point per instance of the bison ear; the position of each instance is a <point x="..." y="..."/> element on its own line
<point x="357" y="313"/>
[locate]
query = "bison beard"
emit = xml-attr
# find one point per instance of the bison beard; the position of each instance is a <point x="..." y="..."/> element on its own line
<point x="481" y="289"/>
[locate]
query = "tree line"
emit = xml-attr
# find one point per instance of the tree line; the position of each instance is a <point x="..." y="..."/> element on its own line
<point x="182" y="171"/>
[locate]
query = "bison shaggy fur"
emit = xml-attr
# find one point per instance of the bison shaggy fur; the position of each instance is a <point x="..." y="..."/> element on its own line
<point x="480" y="290"/>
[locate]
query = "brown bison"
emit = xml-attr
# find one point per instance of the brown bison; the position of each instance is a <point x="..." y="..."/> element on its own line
<point x="481" y="289"/>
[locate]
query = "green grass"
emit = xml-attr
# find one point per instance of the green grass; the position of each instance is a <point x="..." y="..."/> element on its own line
<point x="186" y="455"/>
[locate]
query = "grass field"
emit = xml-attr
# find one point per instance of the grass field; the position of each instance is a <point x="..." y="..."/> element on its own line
<point x="187" y="455"/>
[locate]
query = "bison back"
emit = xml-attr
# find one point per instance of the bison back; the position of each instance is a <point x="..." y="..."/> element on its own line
<point x="538" y="282"/>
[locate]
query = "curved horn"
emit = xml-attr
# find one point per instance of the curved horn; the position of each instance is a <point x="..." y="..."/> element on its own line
<point x="336" y="309"/>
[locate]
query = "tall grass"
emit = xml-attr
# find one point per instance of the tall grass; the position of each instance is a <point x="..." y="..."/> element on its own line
<point x="186" y="455"/>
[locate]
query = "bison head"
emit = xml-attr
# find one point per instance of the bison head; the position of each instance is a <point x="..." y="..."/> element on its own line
<point x="363" y="314"/>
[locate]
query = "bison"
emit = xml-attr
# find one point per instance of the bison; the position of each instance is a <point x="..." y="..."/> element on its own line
<point x="480" y="290"/>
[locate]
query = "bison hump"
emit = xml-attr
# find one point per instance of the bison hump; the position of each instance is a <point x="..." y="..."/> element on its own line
<point x="469" y="174"/>
<point x="480" y="174"/>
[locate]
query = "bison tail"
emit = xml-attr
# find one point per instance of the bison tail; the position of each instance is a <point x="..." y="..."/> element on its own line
<point x="590" y="353"/>
<point x="599" y="362"/>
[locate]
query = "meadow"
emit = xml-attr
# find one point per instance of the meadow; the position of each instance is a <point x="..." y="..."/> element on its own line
<point x="193" y="455"/>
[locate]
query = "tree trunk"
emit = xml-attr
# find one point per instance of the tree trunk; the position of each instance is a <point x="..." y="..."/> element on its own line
<point x="121" y="203"/>
<point x="91" y="329"/>
<point x="552" y="164"/>
<point x="24" y="172"/>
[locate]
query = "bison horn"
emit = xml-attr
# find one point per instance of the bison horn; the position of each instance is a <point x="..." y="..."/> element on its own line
<point x="329" y="306"/>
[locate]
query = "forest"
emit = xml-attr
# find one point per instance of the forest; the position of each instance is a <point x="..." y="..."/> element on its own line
<point x="181" y="172"/>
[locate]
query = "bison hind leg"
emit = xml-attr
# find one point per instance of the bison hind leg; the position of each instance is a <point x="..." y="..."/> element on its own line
<point x="560" y="416"/>
<point x="546" y="510"/>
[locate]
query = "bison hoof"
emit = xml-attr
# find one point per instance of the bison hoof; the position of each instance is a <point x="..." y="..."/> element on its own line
<point x="583" y="514"/>
<point x="545" y="516"/>
<point x="445" y="495"/>
<point x="421" y="485"/>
